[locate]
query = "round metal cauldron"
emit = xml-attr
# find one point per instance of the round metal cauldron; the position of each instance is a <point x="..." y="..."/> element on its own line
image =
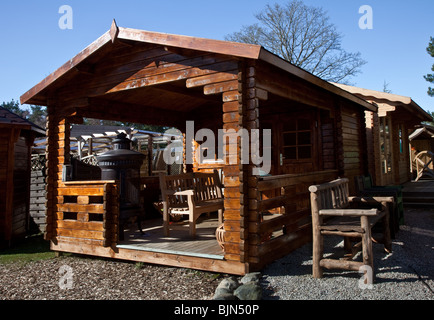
<point x="123" y="165"/>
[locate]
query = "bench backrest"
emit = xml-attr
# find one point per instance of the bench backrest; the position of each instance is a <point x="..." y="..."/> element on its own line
<point x="330" y="195"/>
<point x="206" y="186"/>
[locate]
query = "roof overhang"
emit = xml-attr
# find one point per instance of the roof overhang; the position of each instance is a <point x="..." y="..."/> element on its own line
<point x="235" y="49"/>
<point x="388" y="101"/>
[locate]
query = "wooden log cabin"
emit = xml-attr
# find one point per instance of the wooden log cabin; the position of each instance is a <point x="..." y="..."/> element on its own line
<point x="162" y="79"/>
<point x="388" y="134"/>
<point x="16" y="140"/>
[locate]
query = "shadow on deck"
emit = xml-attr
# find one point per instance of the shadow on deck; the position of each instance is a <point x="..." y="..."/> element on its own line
<point x="179" y="242"/>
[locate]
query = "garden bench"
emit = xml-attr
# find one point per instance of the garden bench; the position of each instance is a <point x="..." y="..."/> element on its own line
<point x="191" y="194"/>
<point x="334" y="212"/>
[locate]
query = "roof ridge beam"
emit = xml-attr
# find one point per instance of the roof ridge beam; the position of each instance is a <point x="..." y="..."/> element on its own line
<point x="236" y="49"/>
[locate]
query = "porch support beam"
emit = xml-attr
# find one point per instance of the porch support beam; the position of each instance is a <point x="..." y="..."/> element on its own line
<point x="121" y="111"/>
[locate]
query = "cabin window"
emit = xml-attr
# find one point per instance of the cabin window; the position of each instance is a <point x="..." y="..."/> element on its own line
<point x="401" y="141"/>
<point x="297" y="139"/>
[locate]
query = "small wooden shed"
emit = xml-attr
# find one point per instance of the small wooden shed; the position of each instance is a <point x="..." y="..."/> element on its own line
<point x="388" y="134"/>
<point x="422" y="152"/>
<point x="16" y="140"/>
<point x="147" y="77"/>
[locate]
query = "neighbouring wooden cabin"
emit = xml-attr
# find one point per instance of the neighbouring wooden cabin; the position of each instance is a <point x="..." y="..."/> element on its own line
<point x="318" y="134"/>
<point x="388" y="134"/>
<point x="422" y="152"/>
<point x="16" y="140"/>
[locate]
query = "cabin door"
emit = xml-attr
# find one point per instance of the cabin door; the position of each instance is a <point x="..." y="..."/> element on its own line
<point x="297" y="143"/>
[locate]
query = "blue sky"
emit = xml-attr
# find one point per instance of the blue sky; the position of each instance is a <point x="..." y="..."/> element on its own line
<point x="33" y="45"/>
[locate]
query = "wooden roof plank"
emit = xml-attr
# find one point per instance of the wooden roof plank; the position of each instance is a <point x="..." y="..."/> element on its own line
<point x="194" y="43"/>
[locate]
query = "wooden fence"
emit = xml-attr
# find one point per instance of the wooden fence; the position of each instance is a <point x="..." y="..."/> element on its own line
<point x="37" y="200"/>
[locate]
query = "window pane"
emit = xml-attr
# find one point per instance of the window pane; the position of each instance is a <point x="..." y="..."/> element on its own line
<point x="303" y="124"/>
<point x="304" y="153"/>
<point x="289" y="139"/>
<point x="290" y="125"/>
<point x="304" y="138"/>
<point x="290" y="153"/>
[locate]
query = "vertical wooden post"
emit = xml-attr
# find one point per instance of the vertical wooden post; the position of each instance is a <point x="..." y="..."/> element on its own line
<point x="57" y="150"/>
<point x="51" y="172"/>
<point x="368" y="258"/>
<point x="386" y="226"/>
<point x="251" y="117"/>
<point x="317" y="240"/>
<point x="236" y="207"/>
<point x="150" y="154"/>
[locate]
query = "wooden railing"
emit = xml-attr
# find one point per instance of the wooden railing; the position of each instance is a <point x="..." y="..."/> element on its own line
<point x="87" y="211"/>
<point x="284" y="208"/>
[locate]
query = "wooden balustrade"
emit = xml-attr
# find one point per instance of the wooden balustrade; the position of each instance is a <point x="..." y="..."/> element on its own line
<point x="87" y="211"/>
<point x="284" y="208"/>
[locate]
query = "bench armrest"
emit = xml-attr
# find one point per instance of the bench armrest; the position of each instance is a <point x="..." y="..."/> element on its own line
<point x="184" y="193"/>
<point x="180" y="193"/>
<point x="371" y="200"/>
<point x="348" y="212"/>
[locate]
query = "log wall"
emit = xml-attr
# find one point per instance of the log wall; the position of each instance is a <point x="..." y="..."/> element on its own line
<point x="7" y="141"/>
<point x="14" y="182"/>
<point x="21" y="188"/>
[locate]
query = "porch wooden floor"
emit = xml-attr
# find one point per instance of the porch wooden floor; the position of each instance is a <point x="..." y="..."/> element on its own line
<point x="179" y="241"/>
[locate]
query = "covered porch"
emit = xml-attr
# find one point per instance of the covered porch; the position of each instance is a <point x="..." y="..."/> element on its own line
<point x="151" y="78"/>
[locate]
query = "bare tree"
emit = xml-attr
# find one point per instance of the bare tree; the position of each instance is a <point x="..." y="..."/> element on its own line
<point x="305" y="37"/>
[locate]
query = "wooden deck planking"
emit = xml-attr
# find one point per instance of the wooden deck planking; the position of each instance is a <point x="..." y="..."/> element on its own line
<point x="178" y="242"/>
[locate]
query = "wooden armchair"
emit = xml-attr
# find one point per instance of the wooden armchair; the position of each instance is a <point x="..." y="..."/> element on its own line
<point x="334" y="212"/>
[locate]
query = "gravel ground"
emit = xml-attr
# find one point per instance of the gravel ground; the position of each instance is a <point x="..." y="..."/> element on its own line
<point x="405" y="274"/>
<point x="81" y="278"/>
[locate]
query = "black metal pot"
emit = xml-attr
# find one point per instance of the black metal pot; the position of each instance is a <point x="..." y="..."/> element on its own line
<point x="123" y="165"/>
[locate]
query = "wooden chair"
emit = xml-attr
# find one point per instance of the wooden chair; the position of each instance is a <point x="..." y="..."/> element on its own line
<point x="365" y="188"/>
<point x="191" y="194"/>
<point x="333" y="214"/>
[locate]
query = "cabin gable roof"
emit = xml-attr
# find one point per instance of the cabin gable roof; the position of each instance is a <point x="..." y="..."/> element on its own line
<point x="8" y="118"/>
<point x="102" y="47"/>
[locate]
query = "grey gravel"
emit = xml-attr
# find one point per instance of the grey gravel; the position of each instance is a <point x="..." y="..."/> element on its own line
<point x="405" y="274"/>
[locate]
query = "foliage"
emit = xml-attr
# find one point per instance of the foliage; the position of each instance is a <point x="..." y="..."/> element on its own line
<point x="304" y="36"/>
<point x="430" y="77"/>
<point x="431" y="123"/>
